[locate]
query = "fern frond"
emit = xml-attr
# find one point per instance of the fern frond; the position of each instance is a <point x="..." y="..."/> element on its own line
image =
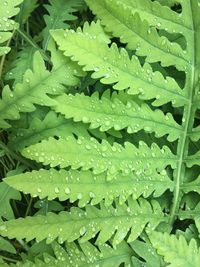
<point x="6" y="194"/>
<point x="90" y="154"/>
<point x="95" y="29"/>
<point x="36" y="87"/>
<point x="192" y="213"/>
<point x="18" y="67"/>
<point x="158" y="15"/>
<point x="117" y="68"/>
<point x="192" y="160"/>
<point x="146" y="253"/>
<point x="85" y="224"/>
<point x="193" y="186"/>
<point x="5" y="245"/>
<point x="176" y="251"/>
<point x="107" y="114"/>
<point x="85" y="187"/>
<point x="26" y="8"/>
<point x="83" y="255"/>
<point x="195" y="134"/>
<point x="7" y="25"/>
<point x="51" y="125"/>
<point x="59" y="12"/>
<point x="87" y="254"/>
<point x="118" y="17"/>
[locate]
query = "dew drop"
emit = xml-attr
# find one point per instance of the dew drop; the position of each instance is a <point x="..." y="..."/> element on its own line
<point x="67" y="190"/>
<point x="82" y="230"/>
<point x="128" y="209"/>
<point x="79" y="196"/>
<point x="107" y="123"/>
<point x="92" y="195"/>
<point x="79" y="142"/>
<point x="56" y="190"/>
<point x="85" y="119"/>
<point x="149" y="30"/>
<point x="88" y="147"/>
<point x="104" y="148"/>
<point x="163" y="172"/>
<point x="2" y="228"/>
<point x="128" y="105"/>
<point x="39" y="190"/>
<point x="107" y="76"/>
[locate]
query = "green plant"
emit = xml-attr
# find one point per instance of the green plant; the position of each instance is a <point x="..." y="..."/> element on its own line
<point x="103" y="132"/>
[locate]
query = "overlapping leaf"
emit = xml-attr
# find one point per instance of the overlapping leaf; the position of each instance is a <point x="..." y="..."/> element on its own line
<point x="106" y="113"/>
<point x="51" y="125"/>
<point x="36" y="87"/>
<point x="126" y="219"/>
<point x="176" y="251"/>
<point x="59" y="12"/>
<point x="114" y="66"/>
<point x="120" y="17"/>
<point x="7" y="25"/>
<point x="90" y="154"/>
<point x="85" y="187"/>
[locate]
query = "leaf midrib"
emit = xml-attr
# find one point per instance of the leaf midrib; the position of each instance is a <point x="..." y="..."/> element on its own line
<point x="178" y="128"/>
<point x="146" y="40"/>
<point x="117" y="66"/>
<point x="183" y="143"/>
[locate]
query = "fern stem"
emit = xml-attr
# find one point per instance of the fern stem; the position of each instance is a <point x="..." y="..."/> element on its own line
<point x="15" y="156"/>
<point x="182" y="152"/>
<point x="188" y="115"/>
<point x="4" y="57"/>
<point x="9" y="259"/>
<point x="29" y="207"/>
<point x="29" y="40"/>
<point x="4" y="165"/>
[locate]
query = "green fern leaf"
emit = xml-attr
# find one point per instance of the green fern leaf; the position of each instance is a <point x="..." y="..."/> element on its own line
<point x="158" y="14"/>
<point x="139" y="139"/>
<point x="114" y="66"/>
<point x="51" y="125"/>
<point x="5" y="245"/>
<point x="18" y="67"/>
<point x="85" y="187"/>
<point x="192" y="213"/>
<point x="195" y="134"/>
<point x="35" y="87"/>
<point x="106" y="113"/>
<point x="193" y="159"/>
<point x="89" y="154"/>
<point x="95" y="29"/>
<point x="6" y="194"/>
<point x="118" y="17"/>
<point x="59" y="12"/>
<point x="191" y="186"/>
<point x="84" y="255"/>
<point x="26" y="8"/>
<point x="89" y="255"/>
<point x="7" y="25"/>
<point x="85" y="224"/>
<point x="146" y="253"/>
<point x="176" y="251"/>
